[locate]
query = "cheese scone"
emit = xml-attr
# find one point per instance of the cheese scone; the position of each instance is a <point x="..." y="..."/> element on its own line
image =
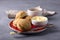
<point x="21" y="14"/>
<point x="22" y="24"/>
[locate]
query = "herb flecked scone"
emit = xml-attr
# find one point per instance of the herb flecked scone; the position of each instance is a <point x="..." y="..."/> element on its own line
<point x="22" y="21"/>
<point x="22" y="24"/>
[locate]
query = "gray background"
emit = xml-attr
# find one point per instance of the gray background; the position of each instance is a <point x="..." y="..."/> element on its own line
<point x="50" y="34"/>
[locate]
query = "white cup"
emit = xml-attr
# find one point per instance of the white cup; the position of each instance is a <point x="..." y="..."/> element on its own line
<point x="34" y="12"/>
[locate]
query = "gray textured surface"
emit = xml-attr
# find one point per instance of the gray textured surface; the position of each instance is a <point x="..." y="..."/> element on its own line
<point x="50" y="34"/>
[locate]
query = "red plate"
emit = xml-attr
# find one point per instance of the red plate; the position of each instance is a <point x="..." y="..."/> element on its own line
<point x="32" y="26"/>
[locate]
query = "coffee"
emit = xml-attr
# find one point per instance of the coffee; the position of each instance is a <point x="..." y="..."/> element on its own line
<point x="33" y="10"/>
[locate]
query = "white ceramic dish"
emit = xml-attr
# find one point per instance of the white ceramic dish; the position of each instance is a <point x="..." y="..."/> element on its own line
<point x="40" y="22"/>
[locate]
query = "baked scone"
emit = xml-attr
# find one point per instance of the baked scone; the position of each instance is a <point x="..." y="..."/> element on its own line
<point x="21" y="14"/>
<point x="29" y="18"/>
<point x="22" y="24"/>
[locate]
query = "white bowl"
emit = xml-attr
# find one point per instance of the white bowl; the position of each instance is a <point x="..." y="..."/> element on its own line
<point x="40" y="22"/>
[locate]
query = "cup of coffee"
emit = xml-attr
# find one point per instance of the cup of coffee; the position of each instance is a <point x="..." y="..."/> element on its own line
<point x="34" y="12"/>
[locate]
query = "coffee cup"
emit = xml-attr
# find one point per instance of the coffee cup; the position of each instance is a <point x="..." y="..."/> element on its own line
<point x="34" y="12"/>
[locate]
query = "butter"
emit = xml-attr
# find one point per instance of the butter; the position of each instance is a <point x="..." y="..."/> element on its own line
<point x="12" y="33"/>
<point x="39" y="18"/>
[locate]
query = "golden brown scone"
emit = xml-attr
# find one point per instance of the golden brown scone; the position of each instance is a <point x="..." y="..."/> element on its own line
<point x="22" y="24"/>
<point x="21" y="14"/>
<point x="29" y="18"/>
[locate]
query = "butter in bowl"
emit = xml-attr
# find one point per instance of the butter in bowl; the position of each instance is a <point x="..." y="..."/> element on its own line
<point x="39" y="20"/>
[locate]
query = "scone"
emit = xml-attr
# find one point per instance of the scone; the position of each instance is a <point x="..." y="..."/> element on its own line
<point x="29" y="18"/>
<point x="22" y="24"/>
<point x="21" y="14"/>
